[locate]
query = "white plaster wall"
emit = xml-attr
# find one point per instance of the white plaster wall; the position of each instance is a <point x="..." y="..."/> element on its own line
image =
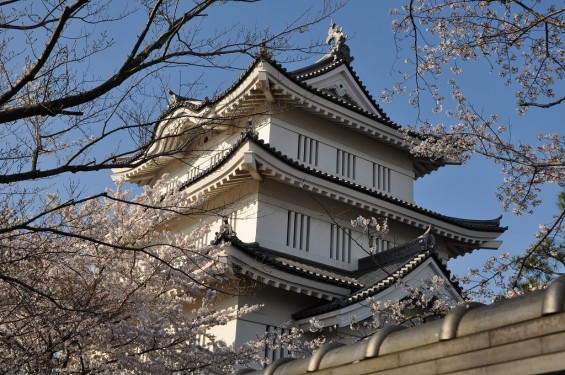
<point x="277" y="308"/>
<point x="271" y="226"/>
<point x="285" y="128"/>
<point x="271" y="233"/>
<point x="282" y="139"/>
<point x="400" y="187"/>
<point x="241" y="200"/>
<point x="275" y="199"/>
<point x="326" y="158"/>
<point x="364" y="173"/>
<point x="247" y="219"/>
<point x="319" y="240"/>
<point x="226" y="332"/>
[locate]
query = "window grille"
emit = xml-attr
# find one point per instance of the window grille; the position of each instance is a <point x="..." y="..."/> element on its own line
<point x="298" y="231"/>
<point x="307" y="150"/>
<point x="340" y="243"/>
<point x="273" y="348"/>
<point x="379" y="244"/>
<point x="345" y="164"/>
<point x="381" y="177"/>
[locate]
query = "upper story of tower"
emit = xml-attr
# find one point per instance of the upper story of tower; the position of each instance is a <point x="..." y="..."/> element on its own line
<point x="320" y="115"/>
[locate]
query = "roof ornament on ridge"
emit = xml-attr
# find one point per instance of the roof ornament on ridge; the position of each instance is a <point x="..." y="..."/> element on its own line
<point x="174" y="99"/>
<point x="226" y="232"/>
<point x="339" y="49"/>
<point x="264" y="53"/>
<point x="427" y="240"/>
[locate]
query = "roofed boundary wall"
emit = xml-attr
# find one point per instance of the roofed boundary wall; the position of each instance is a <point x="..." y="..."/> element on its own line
<point x="524" y="335"/>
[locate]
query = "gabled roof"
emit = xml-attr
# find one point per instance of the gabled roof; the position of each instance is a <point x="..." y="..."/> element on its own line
<point x="382" y="271"/>
<point x="299" y="79"/>
<point x="377" y="266"/>
<point x="375" y="274"/>
<point x="327" y="65"/>
<point x="265" y="80"/>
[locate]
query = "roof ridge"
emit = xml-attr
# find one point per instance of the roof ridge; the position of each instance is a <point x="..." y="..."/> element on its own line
<point x="493" y="224"/>
<point x="397" y="253"/>
<point x="368" y="291"/>
<point x="329" y="63"/>
<point x="455" y="220"/>
<point x="270" y="255"/>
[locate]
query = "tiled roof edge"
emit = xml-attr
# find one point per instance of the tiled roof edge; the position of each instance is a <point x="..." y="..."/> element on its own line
<point x="494" y="224"/>
<point x="323" y="66"/>
<point x="368" y="291"/>
<point x="269" y="256"/>
<point x="465" y="223"/>
<point x="384" y="258"/>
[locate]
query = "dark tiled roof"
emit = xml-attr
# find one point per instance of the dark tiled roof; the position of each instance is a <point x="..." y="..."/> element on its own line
<point x="299" y="81"/>
<point x="375" y="267"/>
<point x="381" y="117"/>
<point x="375" y="274"/>
<point x="386" y="269"/>
<point x="296" y="265"/>
<point x="323" y="66"/>
<point x="298" y="77"/>
<point x="488" y="225"/>
<point x="326" y="64"/>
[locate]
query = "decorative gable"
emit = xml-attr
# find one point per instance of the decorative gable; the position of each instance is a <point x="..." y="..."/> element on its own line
<point x="337" y="79"/>
<point x="339" y="90"/>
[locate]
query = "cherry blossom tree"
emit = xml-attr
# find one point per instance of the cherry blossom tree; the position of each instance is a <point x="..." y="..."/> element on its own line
<point x="73" y="79"/>
<point x="521" y="41"/>
<point x="95" y="282"/>
<point x="101" y="285"/>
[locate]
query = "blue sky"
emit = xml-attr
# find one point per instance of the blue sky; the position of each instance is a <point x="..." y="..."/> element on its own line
<point x="464" y="191"/>
<point x="468" y="190"/>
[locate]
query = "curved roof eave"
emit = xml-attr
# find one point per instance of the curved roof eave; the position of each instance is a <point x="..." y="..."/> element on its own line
<point x="359" y="298"/>
<point x="296" y="265"/>
<point x="480" y="233"/>
<point x="322" y="67"/>
<point x="218" y="99"/>
<point x="491" y="225"/>
<point x="422" y="167"/>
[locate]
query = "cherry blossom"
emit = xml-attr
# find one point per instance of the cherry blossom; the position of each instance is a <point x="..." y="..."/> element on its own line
<point x="103" y="285"/>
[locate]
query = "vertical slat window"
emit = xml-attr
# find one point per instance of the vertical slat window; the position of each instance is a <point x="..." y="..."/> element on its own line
<point x="382" y="245"/>
<point x="340" y="243"/>
<point x="381" y="177"/>
<point x="345" y="164"/>
<point x="307" y="150"/>
<point x="298" y="231"/>
<point x="273" y="348"/>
